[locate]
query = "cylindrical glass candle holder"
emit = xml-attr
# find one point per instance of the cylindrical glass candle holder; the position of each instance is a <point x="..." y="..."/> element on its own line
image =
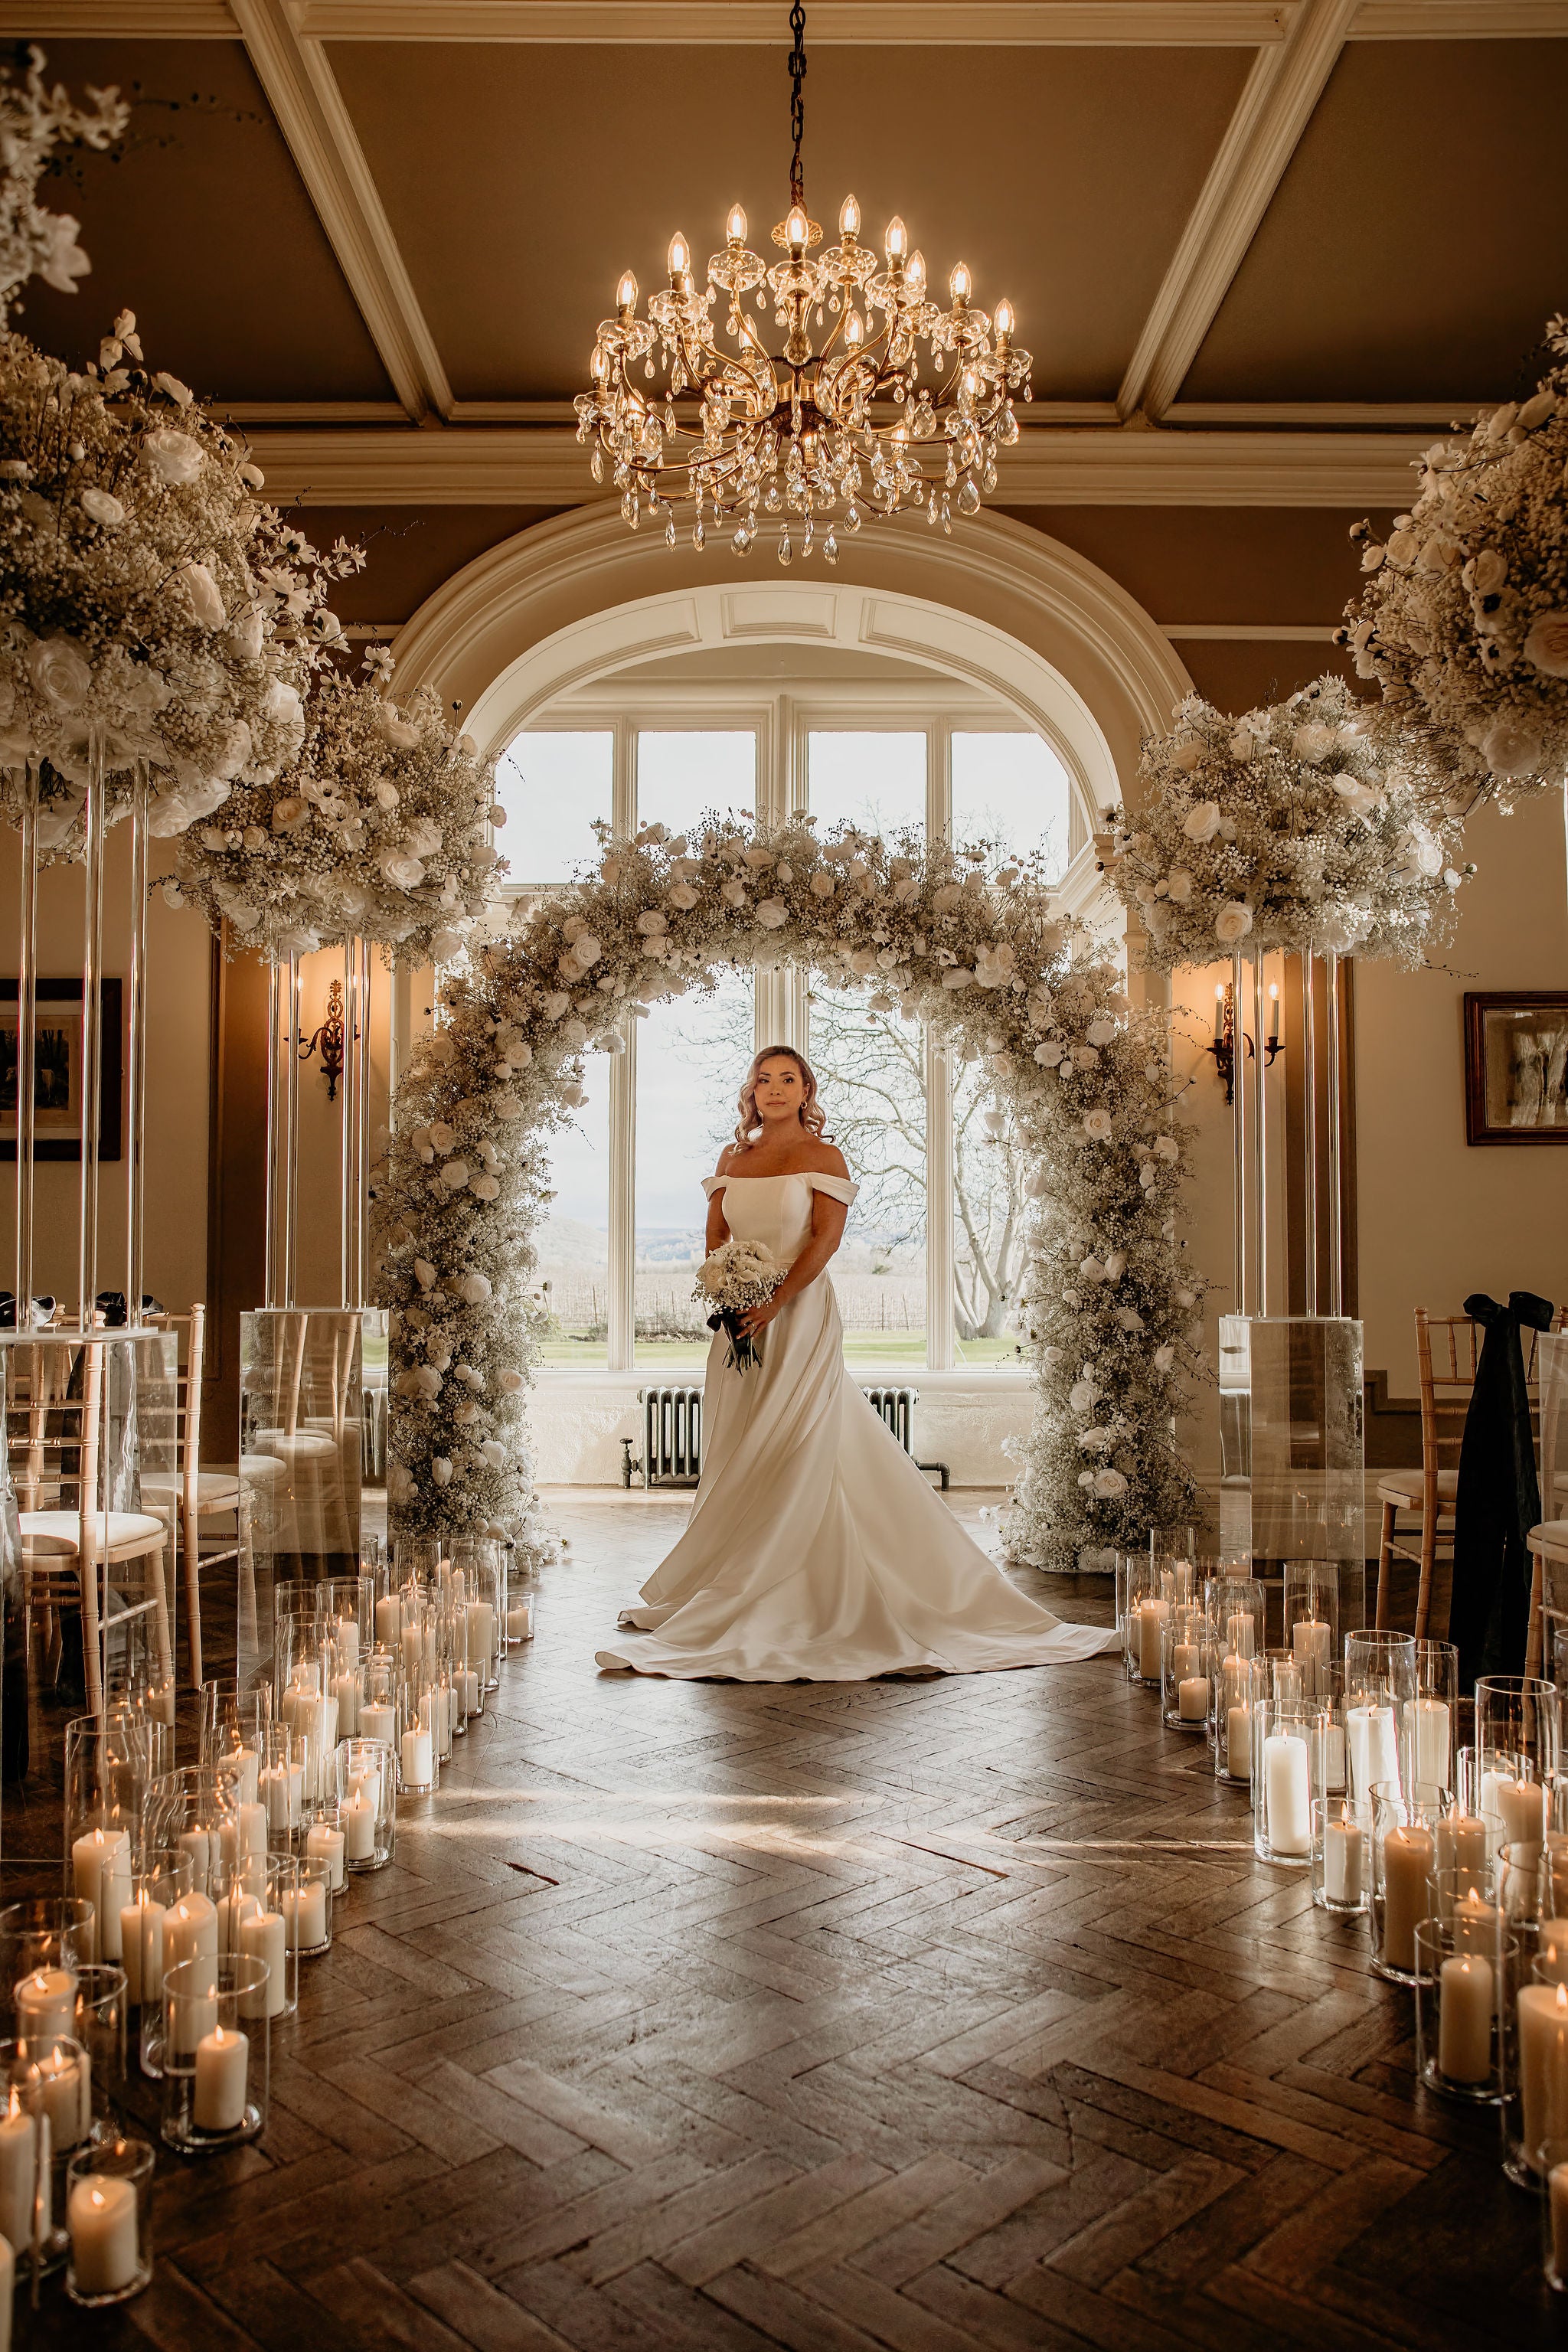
<point x="479" y="1560"/>
<point x="1517" y="1885"/>
<point x="324" y="1840"/>
<point x="367" y="1803"/>
<point x="1237" y="1608"/>
<point x="196" y="1809"/>
<point x="29" y="2219"/>
<point x="381" y="1704"/>
<point x="1520" y="1716"/>
<point x="1185" y="1669"/>
<point x="1462" y="1843"/>
<point x="1380" y="1678"/>
<point x="1311" y="1605"/>
<point x="1286" y="1681"/>
<point x="419" y="1764"/>
<point x="1430" y="1726"/>
<point x="1283" y="1739"/>
<point x="1536" y="2109"/>
<point x="108" y="2219"/>
<point x="216" y="2053"/>
<point x="107" y="1772"/>
<point x="522" y="1588"/>
<point x="305" y="1706"/>
<point x="1462" y="1999"/>
<point x="254" y="1914"/>
<point x="1403" y="1845"/>
<point x="1136" y="1584"/>
<point x="44" y="1944"/>
<point x="1238" y="1684"/>
<point x="307" y="1908"/>
<point x="1342" y="1859"/>
<point x="283" y="1782"/>
<point x="1174" y="1553"/>
<point x="1145" y="1629"/>
<point x="167" y="1880"/>
<point x="1550" y="2167"/>
<point x="348" y="1610"/>
<point x="235" y="1721"/>
<point x="101" y="2028"/>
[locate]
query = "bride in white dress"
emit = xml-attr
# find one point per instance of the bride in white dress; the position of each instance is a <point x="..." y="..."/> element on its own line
<point x="816" y="1550"/>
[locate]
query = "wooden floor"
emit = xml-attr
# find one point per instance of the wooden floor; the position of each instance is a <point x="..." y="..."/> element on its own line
<point x="933" y="2015"/>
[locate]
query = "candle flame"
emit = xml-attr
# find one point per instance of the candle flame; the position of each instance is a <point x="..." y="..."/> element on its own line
<point x="1562" y="1988"/>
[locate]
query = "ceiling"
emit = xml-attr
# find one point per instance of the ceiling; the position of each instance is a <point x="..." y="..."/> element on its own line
<point x="1259" y="248"/>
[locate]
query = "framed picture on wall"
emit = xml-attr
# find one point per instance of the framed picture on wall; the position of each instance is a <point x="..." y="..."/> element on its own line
<point x="1516" y="1066"/>
<point x="57" y="1071"/>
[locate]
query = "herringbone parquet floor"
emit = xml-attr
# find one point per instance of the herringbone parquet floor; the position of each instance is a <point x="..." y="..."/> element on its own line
<point x="946" y="2016"/>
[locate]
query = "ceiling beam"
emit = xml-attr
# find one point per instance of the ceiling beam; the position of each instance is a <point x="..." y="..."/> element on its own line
<point x="304" y="96"/>
<point x="1051" y="466"/>
<point x="1282" y="88"/>
<point x="1461" y="20"/>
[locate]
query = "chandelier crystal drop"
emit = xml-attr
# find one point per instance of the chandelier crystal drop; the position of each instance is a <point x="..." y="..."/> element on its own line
<point x="819" y="438"/>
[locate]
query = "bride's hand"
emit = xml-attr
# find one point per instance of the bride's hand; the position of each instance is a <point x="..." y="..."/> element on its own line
<point x="756" y="1317"/>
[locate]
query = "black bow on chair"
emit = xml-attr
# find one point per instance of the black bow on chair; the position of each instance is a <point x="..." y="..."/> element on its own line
<point x="1498" y="1499"/>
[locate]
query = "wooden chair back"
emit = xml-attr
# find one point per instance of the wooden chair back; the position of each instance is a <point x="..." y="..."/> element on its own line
<point x="1448" y="1351"/>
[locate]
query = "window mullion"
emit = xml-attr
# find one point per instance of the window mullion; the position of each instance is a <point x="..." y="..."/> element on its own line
<point x="939" y="1094"/>
<point x="621" y="1305"/>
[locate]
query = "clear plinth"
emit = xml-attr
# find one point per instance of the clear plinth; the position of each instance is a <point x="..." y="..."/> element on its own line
<point x="1292" y="1449"/>
<point x="302" y="1456"/>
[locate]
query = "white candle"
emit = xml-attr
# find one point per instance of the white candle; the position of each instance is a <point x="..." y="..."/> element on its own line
<point x="141" y="1948"/>
<point x="248" y="1762"/>
<point x="378" y="1720"/>
<point x="481" y="1633"/>
<point x="325" y="1844"/>
<point x="234" y="1909"/>
<point x="519" y="1622"/>
<point x="1334" y="1759"/>
<point x="1543" y="2064"/>
<point x="195" y="1843"/>
<point x="1476" y="1924"/>
<point x="1426" y="1725"/>
<point x="1192" y="1699"/>
<point x="1238" y="1742"/>
<point x="190" y="1930"/>
<point x="359" y="1827"/>
<point x="305" y="1916"/>
<point x="1462" y="1843"/>
<point x="222" y="2058"/>
<point x="347" y="1634"/>
<point x="46" y="2005"/>
<point x="1374" y="1746"/>
<point x="1241" y="1634"/>
<point x="66" y="2086"/>
<point x="21" y="2176"/>
<point x="473" y="1700"/>
<point x="1552" y="1958"/>
<point x="417" y="1758"/>
<point x="8" y="2290"/>
<point x="1152" y="1616"/>
<point x="388" y="1618"/>
<point x="345" y="1690"/>
<point x="1558" y="2186"/>
<point x="1522" y="1805"/>
<point x="1286" y="1794"/>
<point x="1309" y="1641"/>
<point x="263" y="1937"/>
<point x="101" y="1873"/>
<point x="412" y="1652"/>
<point x="1345" y="1869"/>
<point x="1406" y="1862"/>
<point x="102" y="2218"/>
<point x="252" y="1828"/>
<point x="1465" y="2023"/>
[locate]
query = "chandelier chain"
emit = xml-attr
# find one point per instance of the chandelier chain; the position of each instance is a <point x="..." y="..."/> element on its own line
<point x="797" y="101"/>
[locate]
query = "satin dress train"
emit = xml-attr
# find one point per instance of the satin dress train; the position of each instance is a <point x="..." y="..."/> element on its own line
<point x="815" y="1551"/>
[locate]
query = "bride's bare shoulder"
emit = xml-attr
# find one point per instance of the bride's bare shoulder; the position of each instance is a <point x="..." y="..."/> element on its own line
<point x="819" y="1159"/>
<point x="727" y="1159"/>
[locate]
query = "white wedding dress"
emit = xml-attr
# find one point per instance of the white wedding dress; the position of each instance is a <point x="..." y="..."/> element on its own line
<point x="816" y="1550"/>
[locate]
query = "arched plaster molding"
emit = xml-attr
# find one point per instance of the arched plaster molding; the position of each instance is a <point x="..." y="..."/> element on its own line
<point x="998" y="606"/>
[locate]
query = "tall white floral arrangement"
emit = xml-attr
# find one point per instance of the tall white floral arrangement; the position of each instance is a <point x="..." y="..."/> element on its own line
<point x="977" y="954"/>
<point x="378" y="830"/>
<point x="33" y="120"/>
<point x="1307" y="825"/>
<point x="1464" y="618"/>
<point x="153" y="611"/>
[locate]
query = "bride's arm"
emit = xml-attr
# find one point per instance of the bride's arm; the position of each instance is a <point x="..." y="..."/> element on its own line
<point x="828" y="1218"/>
<point x="718" y="1223"/>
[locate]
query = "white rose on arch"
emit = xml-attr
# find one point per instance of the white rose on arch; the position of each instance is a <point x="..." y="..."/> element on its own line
<point x="1232" y="923"/>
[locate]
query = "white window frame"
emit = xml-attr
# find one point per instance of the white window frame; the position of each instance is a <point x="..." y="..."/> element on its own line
<point x="782" y="721"/>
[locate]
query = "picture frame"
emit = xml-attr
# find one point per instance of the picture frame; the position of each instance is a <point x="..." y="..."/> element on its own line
<point x="1516" y="1066"/>
<point x="57" y="1091"/>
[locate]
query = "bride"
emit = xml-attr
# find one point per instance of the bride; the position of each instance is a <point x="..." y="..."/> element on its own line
<point x="816" y="1550"/>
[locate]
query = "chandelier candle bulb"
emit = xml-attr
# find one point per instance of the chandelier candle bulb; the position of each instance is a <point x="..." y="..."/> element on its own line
<point x="1465" y="2025"/>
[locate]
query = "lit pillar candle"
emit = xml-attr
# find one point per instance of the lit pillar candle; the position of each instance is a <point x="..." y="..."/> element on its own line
<point x="481" y="1633"/>
<point x="1552" y="1957"/>
<point x="102" y="2218"/>
<point x="46" y="2005"/>
<point x="378" y="1720"/>
<point x="263" y="1937"/>
<point x="1476" y="1924"/>
<point x="1234" y="1679"/>
<point x="1543" y="2064"/>
<point x="100" y="1874"/>
<point x="1344" y="1865"/>
<point x="1241" y="1634"/>
<point x="1238" y="1742"/>
<point x="232" y="1910"/>
<point x="1152" y="1616"/>
<point x="520" y="1621"/>
<point x="359" y="1827"/>
<point x="21" y="2177"/>
<point x="1334" y="1758"/>
<point x="326" y="1843"/>
<point x="66" y="2083"/>
<point x="1374" y="1746"/>
<point x="1286" y="1794"/>
<point x="1309" y="1641"/>
<point x="190" y="1930"/>
<point x="1407" y="1864"/>
<point x="347" y="1634"/>
<point x="1523" y="1806"/>
<point x="388" y="1618"/>
<point x="345" y="1690"/>
<point x="305" y="1916"/>
<point x="196" y="1844"/>
<point x="1426" y="1725"/>
<point x="1462" y="1843"/>
<point x="252" y="1829"/>
<point x="412" y="1652"/>
<point x="218" y="2101"/>
<point x="247" y="1763"/>
<point x="1192" y="1699"/>
<point x="1465" y="2023"/>
<point x="418" y="1757"/>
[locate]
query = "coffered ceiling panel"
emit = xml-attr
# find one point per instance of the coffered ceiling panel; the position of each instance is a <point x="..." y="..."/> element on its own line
<point x="202" y="229"/>
<point x="1419" y="240"/>
<point x="520" y="181"/>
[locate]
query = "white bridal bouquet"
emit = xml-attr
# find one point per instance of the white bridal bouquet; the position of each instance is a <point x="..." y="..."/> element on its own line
<point x="733" y="1278"/>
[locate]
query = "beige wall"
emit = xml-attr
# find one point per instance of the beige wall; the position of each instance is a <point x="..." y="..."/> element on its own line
<point x="1440" y="1218"/>
<point x="179" y="961"/>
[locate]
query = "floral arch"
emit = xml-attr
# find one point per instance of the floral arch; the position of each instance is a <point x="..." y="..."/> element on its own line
<point x="978" y="953"/>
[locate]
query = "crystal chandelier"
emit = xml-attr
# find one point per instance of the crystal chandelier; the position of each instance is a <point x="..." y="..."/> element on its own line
<point x="812" y="437"/>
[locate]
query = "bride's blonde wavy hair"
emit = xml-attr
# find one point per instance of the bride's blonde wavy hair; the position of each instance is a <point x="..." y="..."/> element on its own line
<point x="813" y="1118"/>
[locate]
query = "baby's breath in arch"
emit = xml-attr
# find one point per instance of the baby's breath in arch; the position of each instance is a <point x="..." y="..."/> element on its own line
<point x="967" y="942"/>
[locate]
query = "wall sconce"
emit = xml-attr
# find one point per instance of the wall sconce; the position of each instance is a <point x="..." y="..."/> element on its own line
<point x="1224" y="1046"/>
<point x="329" y="1039"/>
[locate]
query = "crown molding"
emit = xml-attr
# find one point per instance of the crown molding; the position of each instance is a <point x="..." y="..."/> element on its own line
<point x="1261" y="633"/>
<point x="117" y="20"/>
<point x="303" y="94"/>
<point x="1368" y="415"/>
<point x="1461" y="20"/>
<point x="1067" y="465"/>
<point x="1277" y="102"/>
<point x="879" y="23"/>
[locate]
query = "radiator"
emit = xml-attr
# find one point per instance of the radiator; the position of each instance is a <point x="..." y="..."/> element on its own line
<point x="672" y="1432"/>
